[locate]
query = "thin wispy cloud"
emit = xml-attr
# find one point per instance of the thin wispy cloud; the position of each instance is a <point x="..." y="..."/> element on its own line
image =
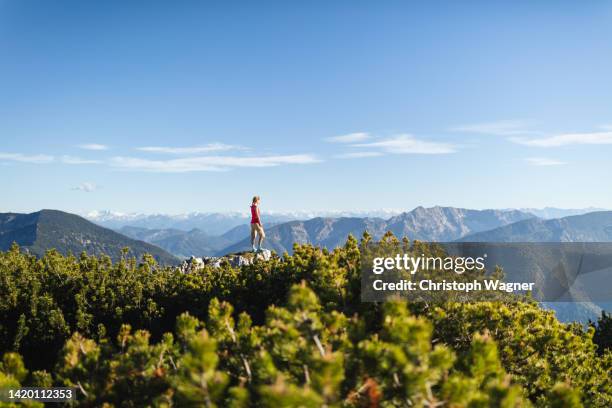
<point x="93" y="146"/>
<point x="27" y="158"/>
<point x="543" y="161"/>
<point x="164" y="166"/>
<point x="78" y="160"/>
<point x="592" y="138"/>
<point x="357" y="155"/>
<point x="86" y="187"/>
<point x="208" y="163"/>
<point x="408" y="144"/>
<point x="212" y="147"/>
<point x="349" y="138"/>
<point x="498" y="128"/>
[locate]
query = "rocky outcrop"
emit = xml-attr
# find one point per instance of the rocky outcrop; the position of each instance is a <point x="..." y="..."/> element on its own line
<point x="234" y="260"/>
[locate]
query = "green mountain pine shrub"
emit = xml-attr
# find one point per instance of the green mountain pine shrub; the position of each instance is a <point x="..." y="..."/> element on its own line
<point x="291" y="331"/>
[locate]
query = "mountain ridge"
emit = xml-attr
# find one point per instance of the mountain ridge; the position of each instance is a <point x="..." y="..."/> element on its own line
<point x="214" y="223"/>
<point x="217" y="223"/>
<point x="182" y="244"/>
<point x="69" y="233"/>
<point x="432" y="224"/>
<point x="590" y="227"/>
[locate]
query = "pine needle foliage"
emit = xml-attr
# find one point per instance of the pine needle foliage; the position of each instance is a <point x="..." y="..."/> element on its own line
<point x="288" y="332"/>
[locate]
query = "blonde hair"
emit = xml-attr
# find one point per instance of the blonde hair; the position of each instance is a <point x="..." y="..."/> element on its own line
<point x="255" y="199"/>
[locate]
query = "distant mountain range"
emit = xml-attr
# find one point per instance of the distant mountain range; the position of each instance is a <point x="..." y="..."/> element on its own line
<point x="48" y="228"/>
<point x="591" y="227"/>
<point x="180" y="243"/>
<point x="552" y="212"/>
<point x="181" y="236"/>
<point x="209" y="223"/>
<point x="215" y="224"/>
<point x="427" y="224"/>
<point x="69" y="233"/>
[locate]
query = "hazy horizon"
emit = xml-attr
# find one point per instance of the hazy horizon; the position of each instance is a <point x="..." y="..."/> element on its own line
<point x="391" y="211"/>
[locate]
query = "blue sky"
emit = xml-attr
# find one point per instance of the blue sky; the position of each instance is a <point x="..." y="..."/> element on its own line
<point x="330" y="105"/>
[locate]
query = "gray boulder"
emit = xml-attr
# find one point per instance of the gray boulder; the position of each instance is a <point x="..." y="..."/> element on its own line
<point x="234" y="260"/>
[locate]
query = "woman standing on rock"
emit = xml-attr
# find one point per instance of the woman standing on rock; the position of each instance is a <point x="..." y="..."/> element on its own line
<point x="256" y="227"/>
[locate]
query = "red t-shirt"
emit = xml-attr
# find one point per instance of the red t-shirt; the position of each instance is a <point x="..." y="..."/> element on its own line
<point x="254" y="216"/>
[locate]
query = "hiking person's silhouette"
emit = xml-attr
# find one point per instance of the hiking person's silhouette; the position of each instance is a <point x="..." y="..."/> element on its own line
<point x="257" y="230"/>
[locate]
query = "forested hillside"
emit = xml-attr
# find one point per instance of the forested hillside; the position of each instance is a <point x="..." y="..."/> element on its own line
<point x="284" y="332"/>
<point x="68" y="233"/>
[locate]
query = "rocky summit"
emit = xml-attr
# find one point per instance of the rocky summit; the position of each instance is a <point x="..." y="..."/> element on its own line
<point x="235" y="260"/>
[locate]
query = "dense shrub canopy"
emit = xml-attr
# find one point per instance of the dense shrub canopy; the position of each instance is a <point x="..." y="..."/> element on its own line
<point x="291" y="331"/>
